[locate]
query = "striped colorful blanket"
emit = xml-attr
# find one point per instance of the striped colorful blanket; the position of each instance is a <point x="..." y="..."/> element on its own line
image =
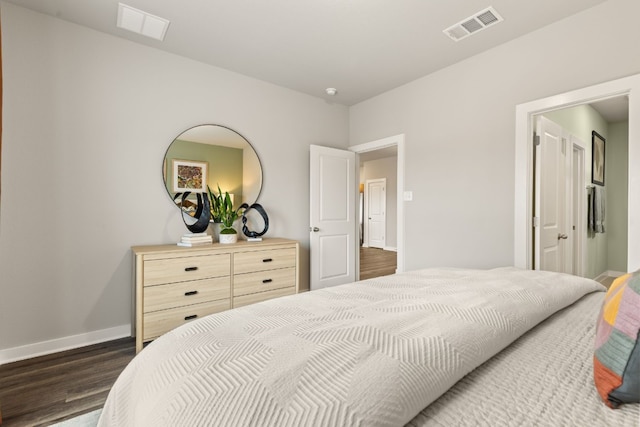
<point x="616" y="362"/>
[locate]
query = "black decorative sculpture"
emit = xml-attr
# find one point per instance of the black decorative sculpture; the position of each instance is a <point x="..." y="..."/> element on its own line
<point x="253" y="234"/>
<point x="202" y="214"/>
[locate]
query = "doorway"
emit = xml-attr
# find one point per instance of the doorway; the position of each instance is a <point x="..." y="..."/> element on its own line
<point x="374" y="216"/>
<point x="525" y="113"/>
<point x="582" y="249"/>
<point x="334" y="210"/>
<point x="385" y="256"/>
<point x="377" y="252"/>
<point x="558" y="198"/>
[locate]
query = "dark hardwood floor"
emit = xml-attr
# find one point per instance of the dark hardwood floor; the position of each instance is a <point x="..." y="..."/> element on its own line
<point x="49" y="389"/>
<point x="376" y="262"/>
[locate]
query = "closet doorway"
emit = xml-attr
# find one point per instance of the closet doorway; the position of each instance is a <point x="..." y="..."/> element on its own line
<point x="564" y="196"/>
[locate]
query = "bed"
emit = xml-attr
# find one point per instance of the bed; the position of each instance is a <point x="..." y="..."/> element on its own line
<point x="432" y="347"/>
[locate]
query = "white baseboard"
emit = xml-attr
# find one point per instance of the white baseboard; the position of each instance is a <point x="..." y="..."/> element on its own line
<point x="608" y="273"/>
<point x="611" y="273"/>
<point x="386" y="248"/>
<point x="61" y="344"/>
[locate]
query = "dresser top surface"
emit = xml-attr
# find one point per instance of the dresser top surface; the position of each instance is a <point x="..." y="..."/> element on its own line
<point x="231" y="247"/>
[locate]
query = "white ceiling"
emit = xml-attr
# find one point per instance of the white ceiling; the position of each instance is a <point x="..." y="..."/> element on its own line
<point x="360" y="47"/>
<point x="613" y="109"/>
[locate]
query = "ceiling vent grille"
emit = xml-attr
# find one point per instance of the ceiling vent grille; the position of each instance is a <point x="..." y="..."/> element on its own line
<point x="473" y="24"/>
<point x="141" y="22"/>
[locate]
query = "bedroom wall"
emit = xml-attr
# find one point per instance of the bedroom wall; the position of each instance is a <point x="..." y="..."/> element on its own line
<point x="459" y="125"/>
<point x="87" y="120"/>
<point x="617" y="181"/>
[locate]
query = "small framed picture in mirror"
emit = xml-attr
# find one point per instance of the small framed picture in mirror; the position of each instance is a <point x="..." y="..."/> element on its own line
<point x="597" y="160"/>
<point x="189" y="175"/>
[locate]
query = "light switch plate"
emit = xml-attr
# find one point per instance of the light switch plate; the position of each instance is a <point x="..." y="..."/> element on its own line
<point x="408" y="196"/>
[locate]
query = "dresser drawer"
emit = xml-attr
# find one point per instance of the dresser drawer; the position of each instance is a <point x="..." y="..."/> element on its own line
<point x="262" y="296"/>
<point x="182" y="269"/>
<point x="159" y="322"/>
<point x="162" y="297"/>
<point x="250" y="283"/>
<point x="249" y="262"/>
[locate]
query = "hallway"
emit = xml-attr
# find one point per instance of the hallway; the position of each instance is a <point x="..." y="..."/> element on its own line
<point x="376" y="262"/>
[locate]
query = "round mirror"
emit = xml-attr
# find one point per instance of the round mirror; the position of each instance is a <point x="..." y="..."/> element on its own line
<point x="216" y="157"/>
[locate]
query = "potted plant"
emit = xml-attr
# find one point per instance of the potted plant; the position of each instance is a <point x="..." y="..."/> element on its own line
<point x="222" y="212"/>
<point x="216" y="204"/>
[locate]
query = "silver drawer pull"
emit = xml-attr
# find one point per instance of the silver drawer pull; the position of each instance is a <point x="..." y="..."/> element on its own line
<point x="190" y="268"/>
<point x="267" y="260"/>
<point x="267" y="281"/>
<point x="186" y="294"/>
<point x="193" y="316"/>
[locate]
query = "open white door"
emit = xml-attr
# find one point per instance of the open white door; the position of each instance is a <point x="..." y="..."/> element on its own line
<point x="550" y="184"/>
<point x="333" y="220"/>
<point x="375" y="213"/>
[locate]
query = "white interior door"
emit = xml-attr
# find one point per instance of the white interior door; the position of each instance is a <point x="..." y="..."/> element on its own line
<point x="332" y="216"/>
<point x="375" y="212"/>
<point x="550" y="197"/>
<point x="578" y="229"/>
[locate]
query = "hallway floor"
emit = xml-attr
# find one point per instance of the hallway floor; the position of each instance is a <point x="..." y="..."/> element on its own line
<point x="376" y="262"/>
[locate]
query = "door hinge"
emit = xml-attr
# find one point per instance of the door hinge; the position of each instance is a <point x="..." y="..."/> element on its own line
<point x="536" y="221"/>
<point x="536" y="140"/>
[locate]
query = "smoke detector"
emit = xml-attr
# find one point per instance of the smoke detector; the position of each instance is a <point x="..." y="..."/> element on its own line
<point x="473" y="24"/>
<point x="331" y="91"/>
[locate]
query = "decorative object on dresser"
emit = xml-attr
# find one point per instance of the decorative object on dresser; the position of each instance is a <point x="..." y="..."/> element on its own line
<point x="217" y="204"/>
<point x="254" y="235"/>
<point x="222" y="211"/>
<point x="174" y="285"/>
<point x="196" y="221"/>
<point x="195" y="239"/>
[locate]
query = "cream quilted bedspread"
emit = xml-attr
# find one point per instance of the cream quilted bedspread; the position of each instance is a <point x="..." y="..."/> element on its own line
<point x="545" y="378"/>
<point x="372" y="353"/>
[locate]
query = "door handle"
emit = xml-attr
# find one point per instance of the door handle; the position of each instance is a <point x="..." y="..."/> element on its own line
<point x="562" y="236"/>
<point x="314" y="229"/>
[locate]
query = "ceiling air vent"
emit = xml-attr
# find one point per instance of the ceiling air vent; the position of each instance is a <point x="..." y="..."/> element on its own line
<point x="473" y="24"/>
<point x="141" y="22"/>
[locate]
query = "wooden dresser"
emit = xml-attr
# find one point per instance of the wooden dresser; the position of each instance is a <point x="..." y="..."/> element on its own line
<point x="174" y="284"/>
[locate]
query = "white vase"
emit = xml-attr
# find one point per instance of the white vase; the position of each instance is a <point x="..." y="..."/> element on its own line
<point x="228" y="238"/>
<point x="215" y="230"/>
